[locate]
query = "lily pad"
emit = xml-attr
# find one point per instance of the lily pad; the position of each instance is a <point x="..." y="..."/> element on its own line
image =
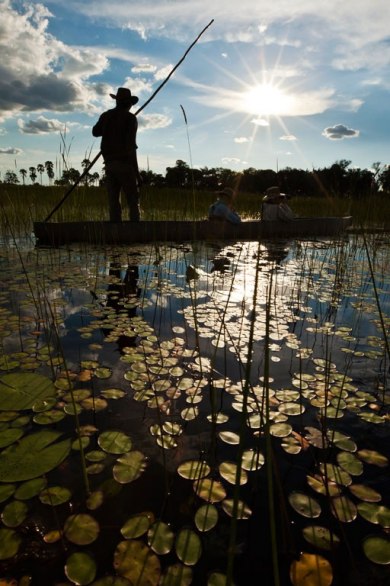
<point x="136" y="562"/>
<point x="377" y="549"/>
<point x="374" y="513"/>
<point x="304" y="504"/>
<point x="188" y="547"/>
<point x="10" y="436"/>
<point x="9" y="543"/>
<point x="311" y="570"/>
<point x="343" y="509"/>
<point x="228" y="471"/>
<point x="55" y="495"/>
<point x="33" y="456"/>
<point x="243" y="511"/>
<point x="160" y="538"/>
<point x="80" y="568"/>
<point x="137" y="525"/>
<point x="20" y="391"/>
<point x="177" y="575"/>
<point x="114" y="442"/>
<point x="320" y="537"/>
<point x="81" y="529"/>
<point x="30" y="488"/>
<point x="193" y="469"/>
<point x="14" y="513"/>
<point x="209" y="490"/>
<point x="129" y="467"/>
<point x="206" y="517"/>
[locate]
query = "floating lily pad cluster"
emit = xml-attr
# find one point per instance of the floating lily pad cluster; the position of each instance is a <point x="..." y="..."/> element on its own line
<point x="212" y="406"/>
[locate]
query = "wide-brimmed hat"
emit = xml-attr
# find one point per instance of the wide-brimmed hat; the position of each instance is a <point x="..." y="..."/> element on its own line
<point x="273" y="193"/>
<point x="226" y="192"/>
<point x="124" y="95"/>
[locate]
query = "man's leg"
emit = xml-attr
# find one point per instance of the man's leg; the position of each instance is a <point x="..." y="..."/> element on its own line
<point x="130" y="189"/>
<point x="113" y="190"/>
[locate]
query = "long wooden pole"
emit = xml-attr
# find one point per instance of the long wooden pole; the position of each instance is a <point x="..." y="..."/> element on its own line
<point x="87" y="169"/>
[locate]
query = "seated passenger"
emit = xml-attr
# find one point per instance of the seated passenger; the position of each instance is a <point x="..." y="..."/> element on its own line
<point x="222" y="209"/>
<point x="275" y="207"/>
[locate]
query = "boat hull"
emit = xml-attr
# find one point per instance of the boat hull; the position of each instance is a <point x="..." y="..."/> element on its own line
<point x="56" y="233"/>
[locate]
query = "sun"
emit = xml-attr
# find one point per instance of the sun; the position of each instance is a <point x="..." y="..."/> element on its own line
<point x="266" y="100"/>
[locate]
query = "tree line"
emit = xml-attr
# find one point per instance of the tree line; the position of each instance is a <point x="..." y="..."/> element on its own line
<point x="340" y="179"/>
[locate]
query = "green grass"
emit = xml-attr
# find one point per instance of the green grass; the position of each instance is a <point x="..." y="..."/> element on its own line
<point x="21" y="205"/>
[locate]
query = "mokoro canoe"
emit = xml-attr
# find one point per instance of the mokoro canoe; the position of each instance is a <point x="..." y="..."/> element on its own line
<point x="56" y="233"/>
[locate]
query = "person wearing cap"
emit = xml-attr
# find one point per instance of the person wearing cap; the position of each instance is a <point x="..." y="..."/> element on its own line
<point x="274" y="206"/>
<point x="222" y="209"/>
<point x="118" y="129"/>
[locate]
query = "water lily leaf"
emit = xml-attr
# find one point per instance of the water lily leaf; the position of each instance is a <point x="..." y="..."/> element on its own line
<point x="95" y="500"/>
<point x="137" y="525"/>
<point x="217" y="579"/>
<point x="20" y="391"/>
<point x="320" y="537"/>
<point x="193" y="469"/>
<point x="365" y="493"/>
<point x="319" y="484"/>
<point x="80" y="568"/>
<point x="252" y="460"/>
<point x="311" y="570"/>
<point x="6" y="490"/>
<point x="188" y="547"/>
<point x="113" y="393"/>
<point x="378" y="514"/>
<point x="304" y="504"/>
<point x="81" y="529"/>
<point x="9" y="543"/>
<point x="136" y="562"/>
<point x="343" y="509"/>
<point x="112" y="581"/>
<point x="377" y="549"/>
<point x="206" y="517"/>
<point x="177" y="575"/>
<point x="209" y="490"/>
<point x="228" y="471"/>
<point x="129" y="467"/>
<point x="30" y="488"/>
<point x="373" y="457"/>
<point x="114" y="442"/>
<point x="229" y="437"/>
<point x="48" y="417"/>
<point x="55" y="495"/>
<point x="336" y="474"/>
<point x="350" y="463"/>
<point x="14" y="513"/>
<point x="10" y="436"/>
<point x="160" y="538"/>
<point x="280" y="429"/>
<point x="33" y="456"/>
<point x="243" y="511"/>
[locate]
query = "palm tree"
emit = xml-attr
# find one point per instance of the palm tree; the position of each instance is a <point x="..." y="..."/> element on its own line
<point x="40" y="169"/>
<point x="49" y="171"/>
<point x="23" y="173"/>
<point x="33" y="174"/>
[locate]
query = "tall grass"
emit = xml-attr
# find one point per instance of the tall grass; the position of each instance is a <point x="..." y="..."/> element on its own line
<point x="22" y="205"/>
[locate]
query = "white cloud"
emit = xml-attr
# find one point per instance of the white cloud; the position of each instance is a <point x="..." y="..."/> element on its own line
<point x="10" y="151"/>
<point x="241" y="139"/>
<point x="230" y="160"/>
<point x="153" y="121"/>
<point x="42" y="125"/>
<point x="339" y="131"/>
<point x="260" y="122"/>
<point x="288" y="137"/>
<point x="162" y="73"/>
<point x="144" y="68"/>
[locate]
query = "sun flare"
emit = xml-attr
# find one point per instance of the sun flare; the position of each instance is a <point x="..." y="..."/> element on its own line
<point x="266" y="100"/>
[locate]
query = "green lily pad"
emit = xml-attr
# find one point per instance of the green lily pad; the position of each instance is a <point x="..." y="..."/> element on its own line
<point x="212" y="491"/>
<point x="217" y="579"/>
<point x="206" y="517"/>
<point x="365" y="493"/>
<point x="243" y="511"/>
<point x="374" y="513"/>
<point x="228" y="471"/>
<point x="304" y="504"/>
<point x="373" y="457"/>
<point x="129" y="467"/>
<point x="81" y="529"/>
<point x="6" y="490"/>
<point x="177" y="575"/>
<point x="160" y="538"/>
<point x="14" y="513"/>
<point x="114" y="442"/>
<point x="33" y="456"/>
<point x="10" y="436"/>
<point x="350" y="463"/>
<point x="9" y="543"/>
<point x="320" y="537"/>
<point x="137" y="525"/>
<point x="377" y="549"/>
<point x="55" y="495"/>
<point x="188" y="547"/>
<point x="194" y="469"/>
<point x="343" y="509"/>
<point x="80" y="568"/>
<point x="136" y="562"/>
<point x="21" y="391"/>
<point x="48" y="417"/>
<point x="30" y="488"/>
<point x="252" y="460"/>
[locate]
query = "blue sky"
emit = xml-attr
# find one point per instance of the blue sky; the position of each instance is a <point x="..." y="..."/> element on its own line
<point x="269" y="85"/>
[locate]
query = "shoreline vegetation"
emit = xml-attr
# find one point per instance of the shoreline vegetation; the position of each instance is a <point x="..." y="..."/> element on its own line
<point x="22" y="205"/>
